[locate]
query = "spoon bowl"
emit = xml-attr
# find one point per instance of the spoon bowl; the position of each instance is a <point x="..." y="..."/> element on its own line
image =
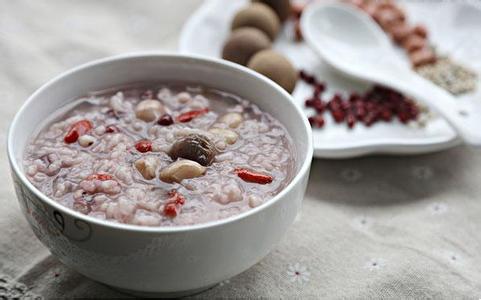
<point x="365" y="35"/>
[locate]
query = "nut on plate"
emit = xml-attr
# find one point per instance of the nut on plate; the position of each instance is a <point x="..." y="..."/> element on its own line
<point x="281" y="7"/>
<point x="414" y="42"/>
<point x="276" y="67"/>
<point x="423" y="56"/>
<point x="243" y="43"/>
<point x="260" y="16"/>
<point x="399" y="32"/>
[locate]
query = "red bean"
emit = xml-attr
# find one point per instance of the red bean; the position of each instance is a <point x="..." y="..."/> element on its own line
<point x="77" y="130"/>
<point x="354" y="97"/>
<point x="377" y="104"/>
<point x="318" y="89"/>
<point x="338" y="116"/>
<point x="386" y="115"/>
<point x="346" y="105"/>
<point x="403" y="117"/>
<point x="316" y="121"/>
<point x="360" y="112"/>
<point x="111" y="129"/>
<point x="143" y="146"/>
<point x="319" y="106"/>
<point x="310" y="79"/>
<point x="302" y="75"/>
<point x="351" y="120"/>
<point x="369" y="119"/>
<point x="334" y="105"/>
<point x="165" y="120"/>
<point x="311" y="102"/>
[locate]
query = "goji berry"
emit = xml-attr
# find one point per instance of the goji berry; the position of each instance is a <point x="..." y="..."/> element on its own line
<point x="254" y="177"/>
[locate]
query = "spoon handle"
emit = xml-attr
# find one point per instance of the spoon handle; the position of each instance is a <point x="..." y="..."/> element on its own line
<point x="466" y="119"/>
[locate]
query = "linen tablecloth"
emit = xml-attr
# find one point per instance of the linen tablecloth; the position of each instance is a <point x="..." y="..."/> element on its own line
<point x="376" y="227"/>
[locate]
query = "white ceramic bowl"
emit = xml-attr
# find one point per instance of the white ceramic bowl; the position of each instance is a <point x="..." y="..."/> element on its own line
<point x="161" y="260"/>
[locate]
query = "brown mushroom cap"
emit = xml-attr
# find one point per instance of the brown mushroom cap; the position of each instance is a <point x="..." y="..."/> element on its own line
<point x="260" y="16"/>
<point x="243" y="43"/>
<point x="194" y="147"/>
<point x="275" y="66"/>
<point x="281" y="7"/>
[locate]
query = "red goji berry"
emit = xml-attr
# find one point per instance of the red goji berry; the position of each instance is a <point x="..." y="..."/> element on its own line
<point x="170" y="210"/>
<point x="254" y="177"/>
<point x="174" y="204"/>
<point x="188" y="116"/>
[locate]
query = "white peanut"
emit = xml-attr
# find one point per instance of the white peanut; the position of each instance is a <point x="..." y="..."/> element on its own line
<point x="147" y="166"/>
<point x="229" y="136"/>
<point x="183" y="97"/>
<point x="254" y="201"/>
<point x="149" y="110"/>
<point x="117" y="102"/>
<point x="86" y="140"/>
<point x="233" y="120"/>
<point x="182" y="169"/>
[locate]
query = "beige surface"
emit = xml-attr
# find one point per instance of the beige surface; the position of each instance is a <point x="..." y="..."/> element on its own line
<point x="380" y="227"/>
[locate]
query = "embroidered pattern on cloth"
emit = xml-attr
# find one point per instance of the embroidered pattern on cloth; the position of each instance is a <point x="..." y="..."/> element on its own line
<point x="11" y="289"/>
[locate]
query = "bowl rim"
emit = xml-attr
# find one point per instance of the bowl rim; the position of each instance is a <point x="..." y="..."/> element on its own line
<point x="159" y="229"/>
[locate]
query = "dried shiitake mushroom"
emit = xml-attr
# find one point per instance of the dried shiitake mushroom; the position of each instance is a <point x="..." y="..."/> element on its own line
<point x="194" y="147"/>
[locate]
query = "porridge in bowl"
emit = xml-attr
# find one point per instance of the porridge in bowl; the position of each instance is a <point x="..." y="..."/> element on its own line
<point x="161" y="155"/>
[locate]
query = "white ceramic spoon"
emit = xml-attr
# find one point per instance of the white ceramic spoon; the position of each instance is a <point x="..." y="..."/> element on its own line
<point x="350" y="41"/>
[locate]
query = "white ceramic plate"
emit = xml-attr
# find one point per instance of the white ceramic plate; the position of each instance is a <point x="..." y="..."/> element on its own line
<point x="452" y="27"/>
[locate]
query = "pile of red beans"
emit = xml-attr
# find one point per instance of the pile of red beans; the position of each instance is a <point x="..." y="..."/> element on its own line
<point x="379" y="104"/>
